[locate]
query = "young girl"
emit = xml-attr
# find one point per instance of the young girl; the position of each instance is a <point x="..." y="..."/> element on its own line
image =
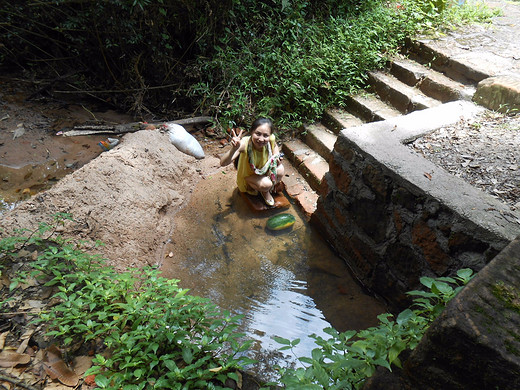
<point x="259" y="160"/>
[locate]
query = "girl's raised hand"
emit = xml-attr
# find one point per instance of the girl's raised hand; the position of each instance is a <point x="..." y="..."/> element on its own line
<point x="235" y="138"/>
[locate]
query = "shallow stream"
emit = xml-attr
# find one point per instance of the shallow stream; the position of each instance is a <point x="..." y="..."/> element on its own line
<point x="287" y="283"/>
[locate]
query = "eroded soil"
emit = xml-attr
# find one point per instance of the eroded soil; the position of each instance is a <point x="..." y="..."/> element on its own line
<point x="126" y="198"/>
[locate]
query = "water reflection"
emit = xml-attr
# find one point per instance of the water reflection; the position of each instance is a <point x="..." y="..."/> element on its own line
<point x="287" y="284"/>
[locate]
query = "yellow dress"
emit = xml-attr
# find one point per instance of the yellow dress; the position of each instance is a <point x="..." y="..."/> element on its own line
<point x="259" y="159"/>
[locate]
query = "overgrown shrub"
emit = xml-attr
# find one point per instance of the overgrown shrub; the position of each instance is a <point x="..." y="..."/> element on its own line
<point x="345" y="360"/>
<point x="232" y="59"/>
<point x="158" y="336"/>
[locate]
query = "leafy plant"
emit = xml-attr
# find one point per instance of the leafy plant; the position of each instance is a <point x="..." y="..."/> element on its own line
<point x="232" y="59"/>
<point x="154" y="334"/>
<point x="346" y="359"/>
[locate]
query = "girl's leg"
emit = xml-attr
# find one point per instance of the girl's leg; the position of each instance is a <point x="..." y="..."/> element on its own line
<point x="262" y="184"/>
<point x="280" y="171"/>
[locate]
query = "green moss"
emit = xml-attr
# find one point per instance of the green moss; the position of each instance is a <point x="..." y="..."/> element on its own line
<point x="511" y="348"/>
<point x="509" y="295"/>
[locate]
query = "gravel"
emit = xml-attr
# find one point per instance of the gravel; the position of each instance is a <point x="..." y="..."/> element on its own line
<point x="485" y="152"/>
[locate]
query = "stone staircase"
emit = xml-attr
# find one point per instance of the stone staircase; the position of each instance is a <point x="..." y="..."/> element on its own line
<point x="419" y="79"/>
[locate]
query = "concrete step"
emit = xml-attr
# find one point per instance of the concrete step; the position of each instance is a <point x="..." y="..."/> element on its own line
<point x="320" y="139"/>
<point x="429" y="81"/>
<point x="459" y="69"/>
<point x="298" y="189"/>
<point x="369" y="108"/>
<point x="401" y="96"/>
<point x="337" y="119"/>
<point x="308" y="162"/>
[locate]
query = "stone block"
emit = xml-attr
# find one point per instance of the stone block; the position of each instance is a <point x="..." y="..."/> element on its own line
<point x="372" y="217"/>
<point x="499" y="93"/>
<point x="375" y="179"/>
<point x="475" y="343"/>
<point x="426" y="240"/>
<point x="341" y="177"/>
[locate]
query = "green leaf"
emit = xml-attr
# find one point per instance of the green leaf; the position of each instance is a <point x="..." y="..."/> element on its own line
<point x="426" y="281"/>
<point x="384" y="363"/>
<point x="395" y="350"/>
<point x="317" y="354"/>
<point x="187" y="355"/>
<point x="102" y="381"/>
<point x="404" y="316"/>
<point x="321" y="375"/>
<point x="281" y="340"/>
<point x="465" y="275"/>
<point x="170" y="365"/>
<point x="154" y="347"/>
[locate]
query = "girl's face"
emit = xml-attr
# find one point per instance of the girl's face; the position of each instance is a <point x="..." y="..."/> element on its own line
<point x="260" y="136"/>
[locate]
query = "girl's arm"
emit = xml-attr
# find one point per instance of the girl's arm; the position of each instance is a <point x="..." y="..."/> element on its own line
<point x="230" y="155"/>
<point x="237" y="147"/>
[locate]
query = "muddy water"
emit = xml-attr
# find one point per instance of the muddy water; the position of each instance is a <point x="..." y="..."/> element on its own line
<point x="32" y="156"/>
<point x="287" y="283"/>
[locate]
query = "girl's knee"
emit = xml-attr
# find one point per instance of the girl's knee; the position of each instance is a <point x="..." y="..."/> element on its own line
<point x="259" y="183"/>
<point x="280" y="171"/>
<point x="265" y="184"/>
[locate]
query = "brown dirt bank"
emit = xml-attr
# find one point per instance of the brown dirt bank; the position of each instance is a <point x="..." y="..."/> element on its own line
<point x="126" y="198"/>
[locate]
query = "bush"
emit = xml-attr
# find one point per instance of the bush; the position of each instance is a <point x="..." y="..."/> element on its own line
<point x="157" y="335"/>
<point x="232" y="59"/>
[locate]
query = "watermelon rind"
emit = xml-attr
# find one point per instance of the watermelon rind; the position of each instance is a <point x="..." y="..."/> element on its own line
<point x="280" y="221"/>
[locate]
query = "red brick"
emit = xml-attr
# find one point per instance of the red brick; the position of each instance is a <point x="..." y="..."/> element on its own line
<point x="426" y="240"/>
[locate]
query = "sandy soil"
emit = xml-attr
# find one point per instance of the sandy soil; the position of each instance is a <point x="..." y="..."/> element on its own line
<point x="126" y="197"/>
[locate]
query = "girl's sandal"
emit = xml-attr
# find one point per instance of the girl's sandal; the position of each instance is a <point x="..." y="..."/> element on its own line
<point x="269" y="201"/>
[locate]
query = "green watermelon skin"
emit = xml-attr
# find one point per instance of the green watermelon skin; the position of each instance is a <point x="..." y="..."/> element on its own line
<point x="280" y="221"/>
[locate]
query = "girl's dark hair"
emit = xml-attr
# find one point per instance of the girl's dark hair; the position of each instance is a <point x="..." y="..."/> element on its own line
<point x="257" y="123"/>
<point x="261" y="121"/>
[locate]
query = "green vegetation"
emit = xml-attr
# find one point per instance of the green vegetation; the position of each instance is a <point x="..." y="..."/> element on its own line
<point x="346" y="360"/>
<point x="507" y="294"/>
<point x="158" y="335"/>
<point x="232" y="59"/>
<point x="155" y="335"/>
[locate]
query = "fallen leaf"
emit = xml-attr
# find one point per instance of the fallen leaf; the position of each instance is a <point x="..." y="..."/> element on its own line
<point x="56" y="368"/>
<point x="9" y="358"/>
<point x="25" y="340"/>
<point x="216" y="369"/>
<point x="56" y="386"/>
<point x="90" y="380"/>
<point x="3" y="336"/>
<point x="82" y="364"/>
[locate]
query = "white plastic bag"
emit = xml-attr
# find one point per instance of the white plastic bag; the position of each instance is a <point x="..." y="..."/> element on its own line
<point x="184" y="141"/>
